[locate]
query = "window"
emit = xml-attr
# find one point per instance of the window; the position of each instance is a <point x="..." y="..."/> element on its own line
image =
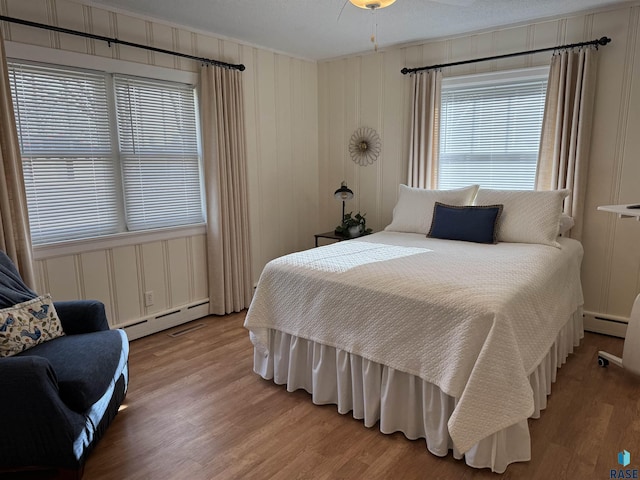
<point x="103" y="153"/>
<point x="490" y="129"/>
<point x="159" y="153"/>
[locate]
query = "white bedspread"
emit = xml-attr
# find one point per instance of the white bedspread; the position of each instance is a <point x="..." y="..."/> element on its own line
<point x="473" y="319"/>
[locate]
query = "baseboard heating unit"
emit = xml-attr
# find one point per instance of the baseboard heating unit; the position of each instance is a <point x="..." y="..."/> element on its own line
<point x="163" y="320"/>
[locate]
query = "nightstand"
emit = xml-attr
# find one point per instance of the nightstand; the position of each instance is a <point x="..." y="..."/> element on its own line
<point x="332" y="235"/>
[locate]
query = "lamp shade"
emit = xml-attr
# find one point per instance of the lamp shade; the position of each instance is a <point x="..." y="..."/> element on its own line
<point x="343" y="193"/>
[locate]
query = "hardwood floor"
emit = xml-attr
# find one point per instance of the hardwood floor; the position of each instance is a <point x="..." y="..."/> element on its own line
<point x="195" y="410"/>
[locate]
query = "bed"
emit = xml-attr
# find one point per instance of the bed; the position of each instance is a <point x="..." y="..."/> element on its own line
<point x="452" y="341"/>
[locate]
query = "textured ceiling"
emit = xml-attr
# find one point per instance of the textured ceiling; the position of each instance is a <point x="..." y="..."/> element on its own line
<point x="320" y="29"/>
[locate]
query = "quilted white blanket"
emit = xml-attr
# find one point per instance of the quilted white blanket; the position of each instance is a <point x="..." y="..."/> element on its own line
<point x="473" y="319"/>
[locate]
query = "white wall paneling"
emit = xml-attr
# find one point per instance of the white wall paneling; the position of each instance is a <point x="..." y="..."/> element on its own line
<point x="125" y="279"/>
<point x="177" y="262"/>
<point x="174" y="270"/>
<point x="94" y="286"/>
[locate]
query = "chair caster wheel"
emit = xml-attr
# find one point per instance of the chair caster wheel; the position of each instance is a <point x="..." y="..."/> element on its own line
<point x="603" y="362"/>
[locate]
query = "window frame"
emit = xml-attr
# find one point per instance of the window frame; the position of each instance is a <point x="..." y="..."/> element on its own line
<point x="537" y="73"/>
<point x="21" y="52"/>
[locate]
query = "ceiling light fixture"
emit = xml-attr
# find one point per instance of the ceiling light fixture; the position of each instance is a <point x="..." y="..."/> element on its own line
<point x="372" y="5"/>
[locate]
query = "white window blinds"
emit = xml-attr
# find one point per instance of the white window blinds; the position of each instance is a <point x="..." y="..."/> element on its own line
<point x="159" y="153"/>
<point x="103" y="153"/>
<point x="490" y="133"/>
<point x="63" y="127"/>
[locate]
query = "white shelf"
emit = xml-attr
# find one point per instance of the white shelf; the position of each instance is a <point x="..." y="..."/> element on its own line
<point x="622" y="211"/>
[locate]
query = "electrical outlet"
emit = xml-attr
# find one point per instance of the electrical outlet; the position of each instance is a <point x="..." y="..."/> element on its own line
<point x="148" y="298"/>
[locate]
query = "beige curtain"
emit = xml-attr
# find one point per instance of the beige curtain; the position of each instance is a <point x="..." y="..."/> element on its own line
<point x="566" y="129"/>
<point x="15" y="236"/>
<point x="225" y="178"/>
<point x="425" y="131"/>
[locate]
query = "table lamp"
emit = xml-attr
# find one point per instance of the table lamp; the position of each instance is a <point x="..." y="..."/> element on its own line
<point x="344" y="194"/>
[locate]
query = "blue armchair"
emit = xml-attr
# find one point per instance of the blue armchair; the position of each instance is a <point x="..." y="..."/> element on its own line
<point x="58" y="398"/>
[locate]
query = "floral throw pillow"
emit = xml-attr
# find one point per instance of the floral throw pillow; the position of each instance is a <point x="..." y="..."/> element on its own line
<point x="27" y="324"/>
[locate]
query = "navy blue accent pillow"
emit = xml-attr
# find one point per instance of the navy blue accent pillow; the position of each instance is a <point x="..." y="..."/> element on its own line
<point x="469" y="224"/>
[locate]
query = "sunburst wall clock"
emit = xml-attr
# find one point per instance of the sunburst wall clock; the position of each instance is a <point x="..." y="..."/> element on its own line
<point x="364" y="146"/>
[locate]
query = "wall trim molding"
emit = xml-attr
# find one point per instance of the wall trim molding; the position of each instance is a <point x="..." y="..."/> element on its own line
<point x="76" y="247"/>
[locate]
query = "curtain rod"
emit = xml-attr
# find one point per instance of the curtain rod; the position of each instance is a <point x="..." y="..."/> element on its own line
<point x="109" y="41"/>
<point x="601" y="41"/>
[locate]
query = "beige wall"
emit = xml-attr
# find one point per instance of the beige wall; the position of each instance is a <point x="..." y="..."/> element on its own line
<point x="280" y="97"/>
<point x="369" y="90"/>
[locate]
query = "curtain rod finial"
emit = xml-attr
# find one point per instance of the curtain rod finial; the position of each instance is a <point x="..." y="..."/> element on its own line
<point x="604" y="40"/>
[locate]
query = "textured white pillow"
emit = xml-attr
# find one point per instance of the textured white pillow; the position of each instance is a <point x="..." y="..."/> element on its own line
<point x="527" y="216"/>
<point x="414" y="211"/>
<point x="566" y="224"/>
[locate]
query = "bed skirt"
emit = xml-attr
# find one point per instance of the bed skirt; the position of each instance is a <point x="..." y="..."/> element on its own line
<point x="404" y="402"/>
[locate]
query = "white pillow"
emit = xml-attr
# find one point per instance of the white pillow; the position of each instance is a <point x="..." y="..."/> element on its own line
<point x="414" y="211"/>
<point x="527" y="216"/>
<point x="566" y="224"/>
